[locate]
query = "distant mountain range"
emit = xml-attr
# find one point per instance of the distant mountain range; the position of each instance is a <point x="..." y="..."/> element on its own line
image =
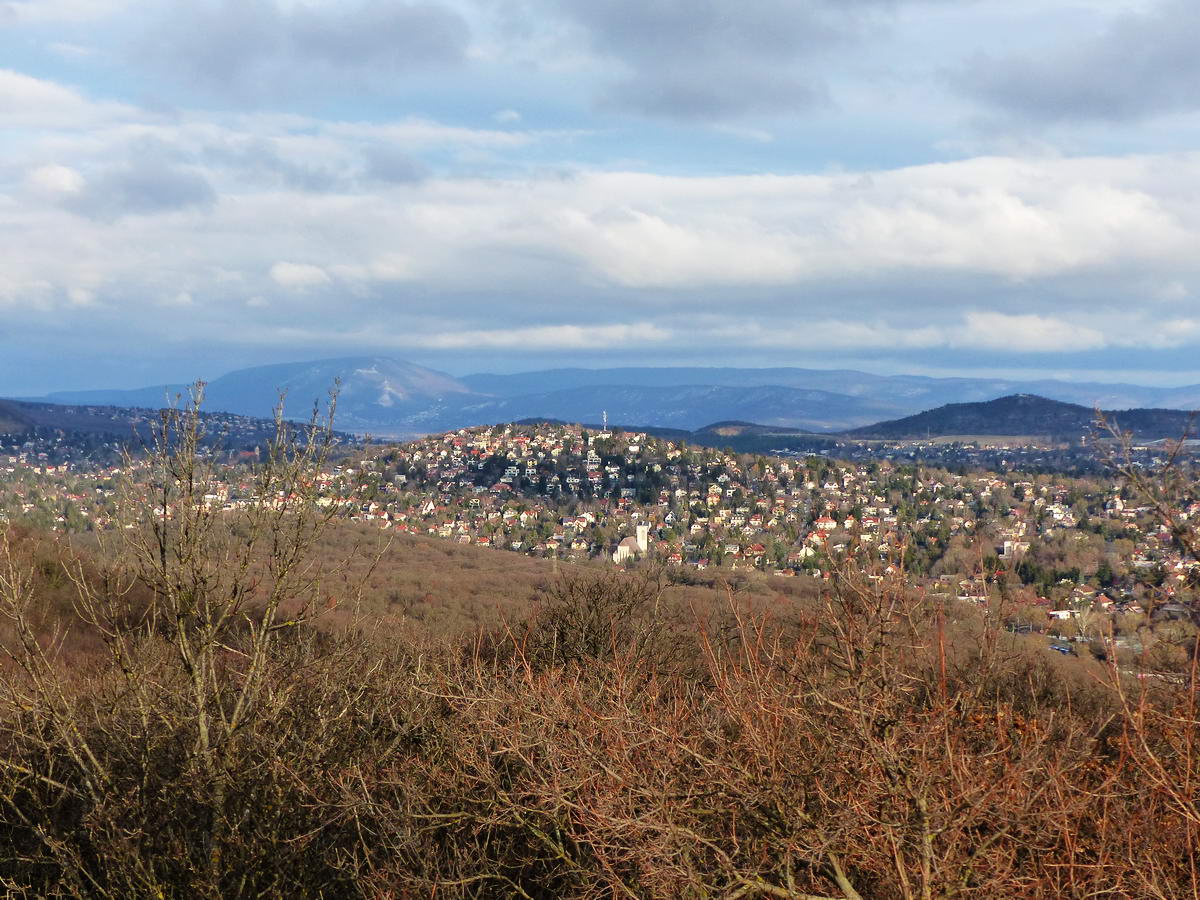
<point x="374" y="393"/>
<point x="394" y="399"/>
<point x="910" y="393"/>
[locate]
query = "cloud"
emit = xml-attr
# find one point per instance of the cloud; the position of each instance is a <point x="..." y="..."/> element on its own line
<point x="540" y="337"/>
<point x="391" y="267"/>
<point x="1001" y="256"/>
<point x="311" y="154"/>
<point x="415" y="133"/>
<point x="391" y="164"/>
<point x="1027" y="334"/>
<point x="34" y="103"/>
<point x="182" y="300"/>
<point x="549" y="336"/>
<point x="143" y="186"/>
<point x="22" y="94"/>
<point x="131" y="180"/>
<point x="264" y="49"/>
<point x="1140" y="65"/>
<point x="273" y="159"/>
<point x="1004" y="221"/>
<point x="55" y="180"/>
<point x="830" y="334"/>
<point x="36" y="12"/>
<point x="1001" y="220"/>
<point x="977" y="330"/>
<point x="298" y="275"/>
<point x="712" y="60"/>
<point x="1011" y="219"/>
<point x="72" y="52"/>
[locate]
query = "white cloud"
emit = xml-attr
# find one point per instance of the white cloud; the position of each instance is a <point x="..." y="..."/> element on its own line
<point x="831" y="334"/>
<point x="55" y="180"/>
<point x="37" y="12"/>
<point x="22" y="96"/>
<point x="539" y="337"/>
<point x="28" y="102"/>
<point x="998" y="218"/>
<point x="745" y="133"/>
<point x="1159" y="334"/>
<point x="550" y="336"/>
<point x="1027" y="334"/>
<point x="989" y="331"/>
<point x="422" y="133"/>
<point x="298" y="275"/>
<point x="72" y="51"/>
<point x="998" y="254"/>
<point x="1000" y="221"/>
<point x="1172" y="290"/>
<point x="388" y="268"/>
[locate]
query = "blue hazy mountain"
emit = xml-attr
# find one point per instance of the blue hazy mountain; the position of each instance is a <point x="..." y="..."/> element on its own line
<point x="392" y="398"/>
<point x="375" y="391"/>
<point x="911" y="393"/>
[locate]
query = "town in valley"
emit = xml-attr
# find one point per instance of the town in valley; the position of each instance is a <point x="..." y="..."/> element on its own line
<point x="1071" y="556"/>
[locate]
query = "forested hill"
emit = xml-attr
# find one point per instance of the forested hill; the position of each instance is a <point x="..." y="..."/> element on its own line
<point x="1026" y="414"/>
<point x="13" y="417"/>
<point x="74" y="432"/>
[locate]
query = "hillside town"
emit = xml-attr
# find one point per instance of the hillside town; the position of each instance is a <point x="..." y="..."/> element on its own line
<point x="1058" y="543"/>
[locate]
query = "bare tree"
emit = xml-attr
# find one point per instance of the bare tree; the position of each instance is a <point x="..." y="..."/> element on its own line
<point x="195" y="607"/>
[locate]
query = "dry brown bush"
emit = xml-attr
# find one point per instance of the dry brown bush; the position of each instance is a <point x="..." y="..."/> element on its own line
<point x="825" y="764"/>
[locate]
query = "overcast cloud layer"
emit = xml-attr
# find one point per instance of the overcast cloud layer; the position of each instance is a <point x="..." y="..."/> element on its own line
<point x="901" y="185"/>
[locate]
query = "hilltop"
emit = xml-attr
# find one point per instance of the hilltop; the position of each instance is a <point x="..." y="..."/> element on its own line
<point x="1026" y="414"/>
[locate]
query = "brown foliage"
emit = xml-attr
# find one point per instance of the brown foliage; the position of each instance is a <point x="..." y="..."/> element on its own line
<point x="838" y="761"/>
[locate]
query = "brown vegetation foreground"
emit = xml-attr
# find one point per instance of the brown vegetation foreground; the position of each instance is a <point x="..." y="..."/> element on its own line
<point x="609" y="744"/>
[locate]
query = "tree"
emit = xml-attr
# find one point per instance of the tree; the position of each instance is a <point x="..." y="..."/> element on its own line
<point x="194" y="612"/>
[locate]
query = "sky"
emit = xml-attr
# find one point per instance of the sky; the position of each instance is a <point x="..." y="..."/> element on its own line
<point x="943" y="187"/>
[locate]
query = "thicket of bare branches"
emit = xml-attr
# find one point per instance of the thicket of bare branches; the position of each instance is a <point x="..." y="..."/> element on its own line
<point x="873" y="745"/>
